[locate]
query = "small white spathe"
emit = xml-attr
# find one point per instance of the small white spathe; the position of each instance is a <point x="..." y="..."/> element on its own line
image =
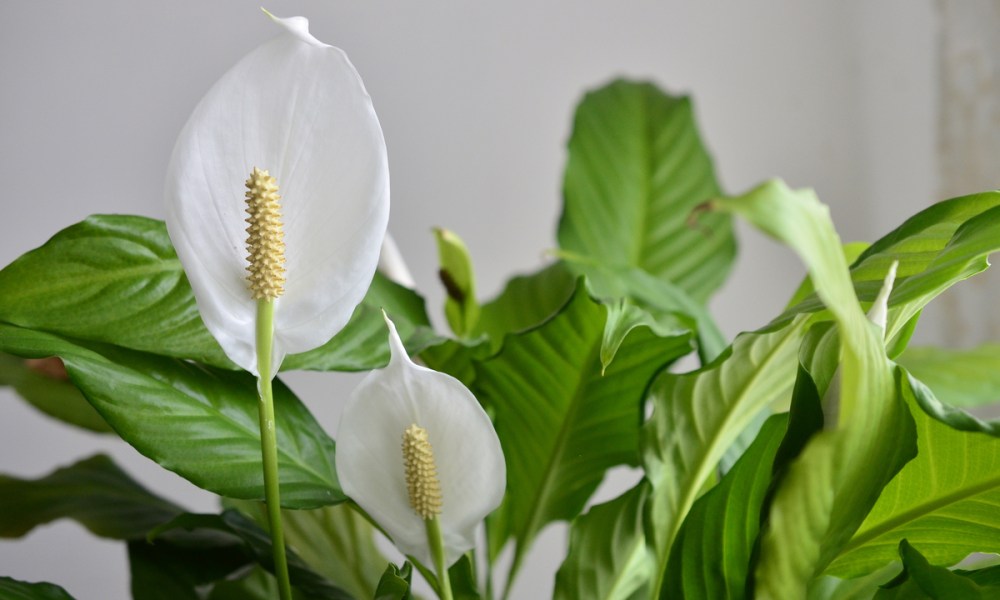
<point x="297" y="108"/>
<point x="470" y="463"/>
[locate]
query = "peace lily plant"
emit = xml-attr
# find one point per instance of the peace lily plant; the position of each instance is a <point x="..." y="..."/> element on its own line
<point x="819" y="456"/>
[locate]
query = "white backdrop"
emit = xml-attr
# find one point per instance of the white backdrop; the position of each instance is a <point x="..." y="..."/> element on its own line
<point x="475" y="100"/>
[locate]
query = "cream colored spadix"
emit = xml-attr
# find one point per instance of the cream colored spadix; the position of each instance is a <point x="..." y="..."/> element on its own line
<point x="296" y="107"/>
<point x="461" y="449"/>
<point x="265" y="239"/>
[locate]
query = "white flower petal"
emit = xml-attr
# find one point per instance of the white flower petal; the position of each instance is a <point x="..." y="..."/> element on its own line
<point x="879" y="311"/>
<point x="297" y="108"/>
<point x="470" y="463"/>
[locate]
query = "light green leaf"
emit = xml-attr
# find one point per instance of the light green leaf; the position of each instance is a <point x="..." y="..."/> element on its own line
<point x="460" y="307"/>
<point x="841" y="472"/>
<point x="94" y="492"/>
<point x="711" y="555"/>
<point x="12" y="589"/>
<point x="199" y="422"/>
<point x="635" y="171"/>
<point x="562" y="423"/>
<point x="335" y="541"/>
<point x="860" y="588"/>
<point x="946" y="501"/>
<point x="608" y="558"/>
<point x="116" y="279"/>
<point x="697" y="416"/>
<point x="922" y="580"/>
<point x="966" y="378"/>
<point x="55" y="397"/>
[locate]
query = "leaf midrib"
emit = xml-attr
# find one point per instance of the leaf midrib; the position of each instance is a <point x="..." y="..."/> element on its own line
<point x="919" y="510"/>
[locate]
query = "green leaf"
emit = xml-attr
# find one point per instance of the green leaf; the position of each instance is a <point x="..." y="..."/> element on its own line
<point x="697" y="416"/>
<point x="395" y="583"/>
<point x="562" y="423"/>
<point x="199" y="422"/>
<point x="361" y="345"/>
<point x="860" y="588"/>
<point x="966" y="378"/>
<point x="608" y="558"/>
<point x="839" y="475"/>
<point x="935" y="249"/>
<point x="94" y="492"/>
<point x="232" y="526"/>
<point x="920" y="579"/>
<point x="12" y="589"/>
<point x="711" y="555"/>
<point x="335" y="541"/>
<point x="116" y="279"/>
<point x="946" y="500"/>
<point x="635" y="171"/>
<point x="55" y="397"/>
<point x="174" y="571"/>
<point x="258" y="584"/>
<point x="525" y="302"/>
<point x="461" y="307"/>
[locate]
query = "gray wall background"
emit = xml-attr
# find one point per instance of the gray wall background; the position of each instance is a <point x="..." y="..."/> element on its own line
<point x="475" y="100"/>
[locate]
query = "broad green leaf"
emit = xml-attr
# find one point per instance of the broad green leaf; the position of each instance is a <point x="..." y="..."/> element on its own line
<point x="12" y="589"/>
<point x="635" y="171"/>
<point x="361" y="345"/>
<point x="174" y="571"/>
<point x="116" y="279"/>
<point x="94" y="492"/>
<point x="697" y="416"/>
<point x="460" y="307"/>
<point x="921" y="580"/>
<point x="838" y="477"/>
<point x="233" y="527"/>
<point x="936" y="248"/>
<point x="525" y="302"/>
<point x="946" y="501"/>
<point x="608" y="558"/>
<point x="335" y="541"/>
<point x="966" y="378"/>
<point x="562" y="423"/>
<point x="199" y="422"/>
<point x="654" y="295"/>
<point x="711" y="555"/>
<point x="395" y="583"/>
<point x="55" y="397"/>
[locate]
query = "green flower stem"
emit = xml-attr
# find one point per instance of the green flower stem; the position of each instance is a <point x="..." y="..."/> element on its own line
<point x="436" y="543"/>
<point x="269" y="444"/>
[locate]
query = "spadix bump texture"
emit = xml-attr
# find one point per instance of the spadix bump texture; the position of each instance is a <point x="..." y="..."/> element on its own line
<point x="297" y="108"/>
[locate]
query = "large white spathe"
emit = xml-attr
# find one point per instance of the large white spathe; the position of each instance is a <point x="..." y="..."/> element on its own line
<point x="297" y="108"/>
<point x="467" y="454"/>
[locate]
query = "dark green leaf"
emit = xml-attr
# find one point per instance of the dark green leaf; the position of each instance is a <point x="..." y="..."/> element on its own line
<point x="255" y="542"/>
<point x="116" y="279"/>
<point x="711" y="554"/>
<point x="395" y="583"/>
<point x="922" y="580"/>
<point x="199" y="422"/>
<point x="93" y="492"/>
<point x="561" y="422"/>
<point x="55" y="397"/>
<point x="636" y="169"/>
<point x="12" y="589"/>
<point x="173" y="570"/>
<point x="608" y="558"/>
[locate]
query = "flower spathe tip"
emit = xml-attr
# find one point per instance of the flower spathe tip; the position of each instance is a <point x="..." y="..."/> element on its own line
<point x="467" y="458"/>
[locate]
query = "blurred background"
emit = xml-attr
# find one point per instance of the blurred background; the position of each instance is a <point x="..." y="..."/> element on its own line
<point x="883" y="108"/>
